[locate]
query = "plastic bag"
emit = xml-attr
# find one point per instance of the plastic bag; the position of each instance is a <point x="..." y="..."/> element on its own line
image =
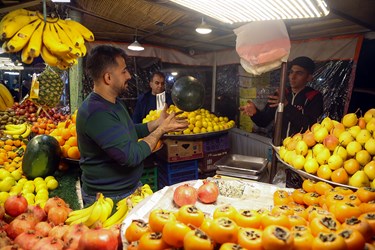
<point x="262" y="45"/>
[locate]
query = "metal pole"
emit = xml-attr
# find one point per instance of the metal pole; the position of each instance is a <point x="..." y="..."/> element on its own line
<point x="213" y="92"/>
<point x="279" y="120"/>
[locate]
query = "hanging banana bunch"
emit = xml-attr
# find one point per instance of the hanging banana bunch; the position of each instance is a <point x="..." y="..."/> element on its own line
<point x="59" y="42"/>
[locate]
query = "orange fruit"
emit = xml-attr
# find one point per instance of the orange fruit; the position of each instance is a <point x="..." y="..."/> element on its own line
<point x="340" y="176"/>
<point x="65" y="133"/>
<point x="73" y="130"/>
<point x="72" y="141"/>
<point x="1" y="143"/>
<point x="73" y="152"/>
<point x="9" y="142"/>
<point x="7" y="147"/>
<point x="17" y="143"/>
<point x="59" y="139"/>
<point x="64" y="150"/>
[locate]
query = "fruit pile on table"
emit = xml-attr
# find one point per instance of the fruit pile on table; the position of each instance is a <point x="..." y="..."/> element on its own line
<point x="342" y="152"/>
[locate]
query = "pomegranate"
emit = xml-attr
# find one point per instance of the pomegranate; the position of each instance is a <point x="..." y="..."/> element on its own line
<point x="98" y="239"/>
<point x="57" y="214"/>
<point x="43" y="228"/>
<point x="27" y="239"/>
<point x="15" y="205"/>
<point x="2" y="212"/>
<point x="208" y="192"/>
<point x="3" y="225"/>
<point x="4" y="239"/>
<point x="18" y="226"/>
<point x="185" y="195"/>
<point x="53" y="202"/>
<point x="73" y="234"/>
<point x="38" y="212"/>
<point x="49" y="243"/>
<point x="58" y="231"/>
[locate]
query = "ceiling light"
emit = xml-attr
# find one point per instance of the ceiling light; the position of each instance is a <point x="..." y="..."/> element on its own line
<point x="257" y="10"/>
<point x="174" y="73"/>
<point x="203" y="28"/>
<point x="136" y="46"/>
<point x="61" y="1"/>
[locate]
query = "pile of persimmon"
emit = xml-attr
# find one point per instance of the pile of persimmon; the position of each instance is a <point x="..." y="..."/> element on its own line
<point x="43" y="125"/>
<point x="290" y="224"/>
<point x="65" y="133"/>
<point x="11" y="152"/>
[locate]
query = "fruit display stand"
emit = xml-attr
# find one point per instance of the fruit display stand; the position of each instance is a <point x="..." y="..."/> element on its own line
<point x="239" y="193"/>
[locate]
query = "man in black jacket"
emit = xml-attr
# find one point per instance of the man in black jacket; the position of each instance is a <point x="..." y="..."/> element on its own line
<point x="303" y="105"/>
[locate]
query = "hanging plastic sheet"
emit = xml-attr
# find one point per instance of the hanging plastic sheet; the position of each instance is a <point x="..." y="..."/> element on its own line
<point x="262" y="45"/>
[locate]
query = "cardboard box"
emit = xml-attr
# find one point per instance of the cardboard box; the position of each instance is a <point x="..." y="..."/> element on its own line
<point x="179" y="150"/>
<point x="207" y="163"/>
<point x="216" y="144"/>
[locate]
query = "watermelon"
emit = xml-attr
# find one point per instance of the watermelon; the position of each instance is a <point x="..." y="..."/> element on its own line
<point x="188" y="93"/>
<point x="42" y="157"/>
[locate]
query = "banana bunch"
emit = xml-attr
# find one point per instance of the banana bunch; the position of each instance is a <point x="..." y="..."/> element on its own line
<point x="100" y="210"/>
<point x="18" y="131"/>
<point x="59" y="42"/>
<point x="125" y="205"/>
<point x="6" y="98"/>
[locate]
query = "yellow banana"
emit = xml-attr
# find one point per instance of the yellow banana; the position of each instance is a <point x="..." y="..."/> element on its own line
<point x="13" y="126"/>
<point x="15" y="13"/>
<point x="85" y="32"/>
<point x="52" y="41"/>
<point x="48" y="57"/>
<point x="5" y="46"/>
<point x="26" y="57"/>
<point x="34" y="46"/>
<point x="79" y="216"/>
<point x="83" y="50"/>
<point x="13" y="25"/>
<point x="75" y="53"/>
<point x="24" y="134"/>
<point x="19" y="131"/>
<point x="3" y="107"/>
<point x="6" y="95"/>
<point x="118" y="215"/>
<point x="95" y="213"/>
<point x="107" y="210"/>
<point x="20" y="39"/>
<point x="109" y="200"/>
<point x="75" y="37"/>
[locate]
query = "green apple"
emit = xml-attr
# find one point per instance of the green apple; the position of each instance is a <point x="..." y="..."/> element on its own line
<point x="369" y="169"/>
<point x="359" y="179"/>
<point x="349" y="120"/>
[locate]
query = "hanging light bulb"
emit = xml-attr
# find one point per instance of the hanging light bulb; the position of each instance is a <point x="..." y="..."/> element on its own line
<point x="136" y="46"/>
<point x="203" y="28"/>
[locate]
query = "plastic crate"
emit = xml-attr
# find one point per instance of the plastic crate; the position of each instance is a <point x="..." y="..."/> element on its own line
<point x="172" y="173"/>
<point x="216" y="144"/>
<point x="150" y="177"/>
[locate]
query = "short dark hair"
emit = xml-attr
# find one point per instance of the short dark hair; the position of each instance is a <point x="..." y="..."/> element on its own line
<point x="102" y="57"/>
<point x="304" y="62"/>
<point x="157" y="73"/>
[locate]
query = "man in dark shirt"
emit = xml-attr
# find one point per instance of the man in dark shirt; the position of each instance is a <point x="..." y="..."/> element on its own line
<point x="147" y="101"/>
<point x="303" y="105"/>
<point x="111" y="155"/>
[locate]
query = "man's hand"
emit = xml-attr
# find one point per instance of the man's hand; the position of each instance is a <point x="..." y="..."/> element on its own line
<point x="249" y="109"/>
<point x="273" y="100"/>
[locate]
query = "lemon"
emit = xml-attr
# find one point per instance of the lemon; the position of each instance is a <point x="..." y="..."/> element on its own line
<point x="3" y="196"/>
<point x="187" y="131"/>
<point x="196" y="130"/>
<point x="52" y="184"/>
<point x="198" y="124"/>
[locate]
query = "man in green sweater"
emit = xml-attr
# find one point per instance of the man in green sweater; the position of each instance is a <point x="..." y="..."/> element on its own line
<point x="111" y="155"/>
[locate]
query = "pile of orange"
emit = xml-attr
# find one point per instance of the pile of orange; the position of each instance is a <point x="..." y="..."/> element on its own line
<point x="11" y="151"/>
<point x="65" y="133"/>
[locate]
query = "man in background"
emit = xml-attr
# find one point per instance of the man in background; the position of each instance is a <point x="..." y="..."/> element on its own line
<point x="147" y="101"/>
<point x="303" y="105"/>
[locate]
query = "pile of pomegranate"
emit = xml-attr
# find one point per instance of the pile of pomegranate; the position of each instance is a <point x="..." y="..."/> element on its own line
<point x="186" y="194"/>
<point x="31" y="227"/>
